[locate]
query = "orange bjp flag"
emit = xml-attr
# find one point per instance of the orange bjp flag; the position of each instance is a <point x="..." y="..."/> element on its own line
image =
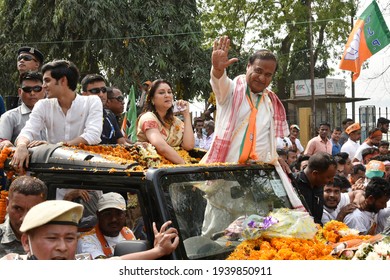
<point x="369" y="35"/>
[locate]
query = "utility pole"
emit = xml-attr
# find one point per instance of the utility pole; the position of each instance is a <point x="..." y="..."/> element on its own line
<point x="313" y="99"/>
<point x="352" y="82"/>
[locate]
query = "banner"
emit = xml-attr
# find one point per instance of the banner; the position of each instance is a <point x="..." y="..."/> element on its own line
<point x="130" y="119"/>
<point x="369" y="35"/>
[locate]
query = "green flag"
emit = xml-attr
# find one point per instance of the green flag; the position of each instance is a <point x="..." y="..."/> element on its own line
<point x="129" y="121"/>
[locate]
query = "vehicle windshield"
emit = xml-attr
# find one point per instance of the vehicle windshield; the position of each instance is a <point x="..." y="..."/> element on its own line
<point x="206" y="203"/>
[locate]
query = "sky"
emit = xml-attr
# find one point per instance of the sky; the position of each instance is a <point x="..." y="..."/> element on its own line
<point x="374" y="82"/>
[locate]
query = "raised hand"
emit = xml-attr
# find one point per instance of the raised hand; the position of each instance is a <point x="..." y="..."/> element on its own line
<point x="219" y="56"/>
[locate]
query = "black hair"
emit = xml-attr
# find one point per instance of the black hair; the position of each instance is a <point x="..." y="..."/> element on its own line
<point x="28" y="185"/>
<point x="299" y="161"/>
<point x="358" y="167"/>
<point x="377" y="187"/>
<point x="345" y="121"/>
<point x="263" y="54"/>
<point x="321" y="161"/>
<point x="30" y="76"/>
<point x="63" y="68"/>
<point x="341" y="158"/>
<point x="383" y="143"/>
<point x="89" y="79"/>
<point x="149" y="106"/>
<point x="368" y="151"/>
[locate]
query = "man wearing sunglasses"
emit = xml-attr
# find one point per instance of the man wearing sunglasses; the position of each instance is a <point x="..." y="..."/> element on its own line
<point x="115" y="103"/>
<point x="66" y="116"/>
<point x="29" y="59"/>
<point x="94" y="84"/>
<point x="12" y="122"/>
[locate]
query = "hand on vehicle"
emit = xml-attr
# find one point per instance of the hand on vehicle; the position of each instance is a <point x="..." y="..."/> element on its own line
<point x="166" y="240"/>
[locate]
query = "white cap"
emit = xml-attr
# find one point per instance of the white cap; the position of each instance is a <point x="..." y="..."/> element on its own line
<point x="52" y="212"/>
<point x="111" y="200"/>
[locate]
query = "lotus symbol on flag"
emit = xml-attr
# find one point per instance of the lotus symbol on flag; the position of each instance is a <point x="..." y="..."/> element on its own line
<point x="353" y="50"/>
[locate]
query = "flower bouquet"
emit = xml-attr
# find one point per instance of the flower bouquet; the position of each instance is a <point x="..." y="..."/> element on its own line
<point x="378" y="251"/>
<point x="284" y="234"/>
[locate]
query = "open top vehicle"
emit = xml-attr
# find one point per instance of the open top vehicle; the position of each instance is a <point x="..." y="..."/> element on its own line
<point x="201" y="200"/>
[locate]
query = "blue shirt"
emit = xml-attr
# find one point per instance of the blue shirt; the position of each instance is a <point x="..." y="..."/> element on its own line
<point x="336" y="148"/>
<point x="2" y="106"/>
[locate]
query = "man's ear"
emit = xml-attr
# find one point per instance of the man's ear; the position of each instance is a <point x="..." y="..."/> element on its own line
<point x="370" y="200"/>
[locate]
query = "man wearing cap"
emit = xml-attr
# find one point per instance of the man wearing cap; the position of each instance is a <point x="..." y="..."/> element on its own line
<point x="50" y="233"/>
<point x="291" y="142"/>
<point x="24" y="193"/>
<point x="320" y="143"/>
<point x="110" y="230"/>
<point x="376" y="196"/>
<point x="12" y="122"/>
<point x="66" y="116"/>
<point x="383" y="124"/>
<point x="29" y="59"/>
<point x="373" y="140"/>
<point x="352" y="144"/>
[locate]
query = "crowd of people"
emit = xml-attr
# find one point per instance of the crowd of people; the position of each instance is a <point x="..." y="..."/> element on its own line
<point x="335" y="177"/>
<point x="357" y="190"/>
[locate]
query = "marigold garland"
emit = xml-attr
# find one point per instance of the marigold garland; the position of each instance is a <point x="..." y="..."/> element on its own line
<point x="282" y="249"/>
<point x="5" y="153"/>
<point x="336" y="231"/>
<point x="3" y="205"/>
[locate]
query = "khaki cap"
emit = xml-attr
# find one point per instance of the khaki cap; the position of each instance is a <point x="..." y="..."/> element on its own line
<point x="52" y="212"/>
<point x="111" y="200"/>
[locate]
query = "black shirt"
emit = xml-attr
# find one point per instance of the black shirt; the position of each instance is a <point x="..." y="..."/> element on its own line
<point x="314" y="196"/>
<point x="111" y="131"/>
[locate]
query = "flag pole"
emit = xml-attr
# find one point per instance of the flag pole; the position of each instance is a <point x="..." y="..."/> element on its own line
<point x="353" y="12"/>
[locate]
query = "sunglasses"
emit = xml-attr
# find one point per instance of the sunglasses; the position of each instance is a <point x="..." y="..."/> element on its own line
<point x="119" y="98"/>
<point x="98" y="90"/>
<point x="26" y="57"/>
<point x="30" y="89"/>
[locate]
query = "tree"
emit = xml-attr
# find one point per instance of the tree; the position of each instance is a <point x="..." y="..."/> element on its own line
<point x="282" y="27"/>
<point x="129" y="41"/>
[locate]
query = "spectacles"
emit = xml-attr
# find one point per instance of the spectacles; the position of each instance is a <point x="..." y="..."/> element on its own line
<point x="119" y="98"/>
<point x="98" y="90"/>
<point x="26" y="57"/>
<point x="30" y="89"/>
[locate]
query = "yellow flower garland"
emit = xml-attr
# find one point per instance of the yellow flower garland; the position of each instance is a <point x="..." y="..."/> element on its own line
<point x="282" y="249"/>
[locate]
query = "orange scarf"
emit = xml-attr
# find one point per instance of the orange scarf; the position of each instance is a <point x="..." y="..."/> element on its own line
<point x="248" y="145"/>
<point x="126" y="233"/>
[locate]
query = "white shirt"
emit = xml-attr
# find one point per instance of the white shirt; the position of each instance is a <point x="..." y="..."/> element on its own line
<point x="13" y="121"/>
<point x="383" y="219"/>
<point x="206" y="141"/>
<point x="83" y="119"/>
<point x="331" y="214"/>
<point x="89" y="243"/>
<point x="283" y="141"/>
<point x="350" y="147"/>
<point x="360" y="220"/>
<point x="265" y="141"/>
<point x="358" y="154"/>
